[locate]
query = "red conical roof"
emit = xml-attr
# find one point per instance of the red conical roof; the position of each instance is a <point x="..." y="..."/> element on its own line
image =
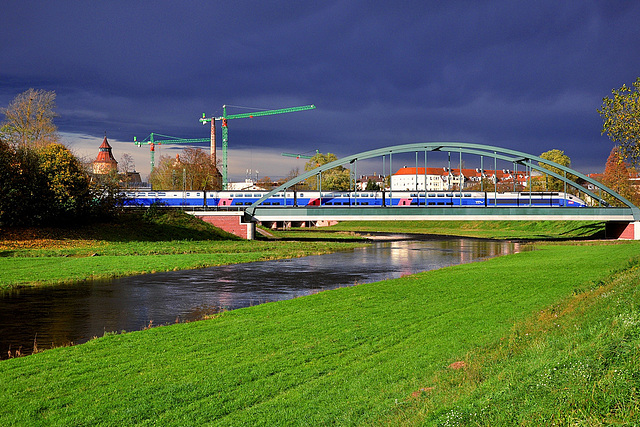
<point x="105" y="155"/>
<point x="105" y="143"/>
<point x="105" y="162"/>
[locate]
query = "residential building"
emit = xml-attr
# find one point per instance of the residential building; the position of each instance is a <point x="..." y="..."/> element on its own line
<point x="444" y="179"/>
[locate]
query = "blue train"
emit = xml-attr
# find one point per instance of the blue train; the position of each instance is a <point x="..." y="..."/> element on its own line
<point x="230" y="200"/>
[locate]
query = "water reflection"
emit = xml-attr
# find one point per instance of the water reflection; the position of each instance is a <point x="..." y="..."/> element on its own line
<point x="76" y="313"/>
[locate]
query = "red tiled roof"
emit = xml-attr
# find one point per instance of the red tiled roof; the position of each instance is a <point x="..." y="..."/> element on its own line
<point x="105" y="155"/>
<point x="455" y="172"/>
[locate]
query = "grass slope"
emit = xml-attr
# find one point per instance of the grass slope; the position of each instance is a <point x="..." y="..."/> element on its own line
<point x="483" y="229"/>
<point x="350" y="356"/>
<point x="134" y="244"/>
<point x="576" y="362"/>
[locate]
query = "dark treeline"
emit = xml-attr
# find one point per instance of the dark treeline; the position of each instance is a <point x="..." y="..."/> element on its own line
<point x="41" y="181"/>
<point x="49" y="185"/>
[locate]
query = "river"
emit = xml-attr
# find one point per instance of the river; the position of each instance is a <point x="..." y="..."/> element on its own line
<point x="73" y="314"/>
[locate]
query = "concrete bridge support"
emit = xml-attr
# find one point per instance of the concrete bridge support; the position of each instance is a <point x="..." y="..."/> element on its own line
<point x="623" y="230"/>
<point x="231" y="222"/>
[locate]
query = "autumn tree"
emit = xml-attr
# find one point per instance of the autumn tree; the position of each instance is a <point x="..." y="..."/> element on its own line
<point x="43" y="185"/>
<point x="41" y="181"/>
<point x="616" y="177"/>
<point x="337" y="179"/>
<point x="551" y="183"/>
<point x="265" y="182"/>
<point x="29" y="119"/>
<point x="621" y="120"/>
<point x="66" y="180"/>
<point x="192" y="170"/>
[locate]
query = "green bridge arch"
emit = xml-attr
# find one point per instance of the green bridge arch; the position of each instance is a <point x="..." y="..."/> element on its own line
<point x="530" y="161"/>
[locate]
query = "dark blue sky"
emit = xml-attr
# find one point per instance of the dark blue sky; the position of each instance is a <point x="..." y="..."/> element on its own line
<point x="522" y="75"/>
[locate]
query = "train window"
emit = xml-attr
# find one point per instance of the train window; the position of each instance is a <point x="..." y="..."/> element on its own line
<point x="276" y="203"/>
<point x="467" y="194"/>
<point x="432" y="203"/>
<point x="432" y="194"/>
<point x="440" y="195"/>
<point x="414" y="195"/>
<point x="301" y="194"/>
<point x="449" y="195"/>
<point x="421" y="194"/>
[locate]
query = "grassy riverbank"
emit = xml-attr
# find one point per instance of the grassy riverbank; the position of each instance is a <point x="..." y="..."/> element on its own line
<point x="134" y="244"/>
<point x="528" y="230"/>
<point x="548" y="336"/>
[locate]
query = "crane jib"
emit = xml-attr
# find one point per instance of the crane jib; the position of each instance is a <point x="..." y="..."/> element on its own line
<point x="269" y="112"/>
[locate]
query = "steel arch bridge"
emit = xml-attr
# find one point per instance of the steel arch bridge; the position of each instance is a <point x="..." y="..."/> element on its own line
<point x="600" y="212"/>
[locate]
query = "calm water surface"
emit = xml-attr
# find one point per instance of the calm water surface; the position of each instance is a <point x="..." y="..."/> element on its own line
<point x="76" y="313"/>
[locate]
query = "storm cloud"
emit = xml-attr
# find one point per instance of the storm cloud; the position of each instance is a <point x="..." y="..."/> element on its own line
<point x="528" y="76"/>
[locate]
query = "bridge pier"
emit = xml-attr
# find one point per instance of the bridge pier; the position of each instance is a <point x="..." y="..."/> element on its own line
<point x="231" y="222"/>
<point x="623" y="230"/>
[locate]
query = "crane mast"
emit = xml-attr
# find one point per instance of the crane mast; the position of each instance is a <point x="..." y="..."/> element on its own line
<point x="225" y="129"/>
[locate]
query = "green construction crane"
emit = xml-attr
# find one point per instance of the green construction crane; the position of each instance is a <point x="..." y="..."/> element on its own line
<point x="299" y="156"/>
<point x="225" y="131"/>
<point x="152" y="141"/>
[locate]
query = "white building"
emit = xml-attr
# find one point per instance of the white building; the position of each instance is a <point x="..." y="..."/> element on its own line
<point x="442" y="179"/>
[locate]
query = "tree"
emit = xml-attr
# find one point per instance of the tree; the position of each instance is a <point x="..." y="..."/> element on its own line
<point x="191" y="171"/>
<point x="621" y="117"/>
<point x="42" y="185"/>
<point x="126" y="163"/>
<point x="372" y="186"/>
<point x="265" y="182"/>
<point x="41" y="181"/>
<point x="337" y="179"/>
<point x="106" y="194"/>
<point x="202" y="174"/>
<point x="557" y="156"/>
<point x="22" y="185"/>
<point x="66" y="180"/>
<point x="29" y="119"/>
<point x="616" y="177"/>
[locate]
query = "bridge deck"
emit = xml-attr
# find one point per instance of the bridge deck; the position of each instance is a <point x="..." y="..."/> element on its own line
<point x="430" y="213"/>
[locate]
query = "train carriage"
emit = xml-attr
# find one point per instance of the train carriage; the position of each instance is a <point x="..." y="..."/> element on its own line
<point x="234" y="200"/>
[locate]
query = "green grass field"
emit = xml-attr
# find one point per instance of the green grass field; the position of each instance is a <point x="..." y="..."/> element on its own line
<point x="483" y="229"/>
<point x="136" y="245"/>
<point x="550" y="336"/>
